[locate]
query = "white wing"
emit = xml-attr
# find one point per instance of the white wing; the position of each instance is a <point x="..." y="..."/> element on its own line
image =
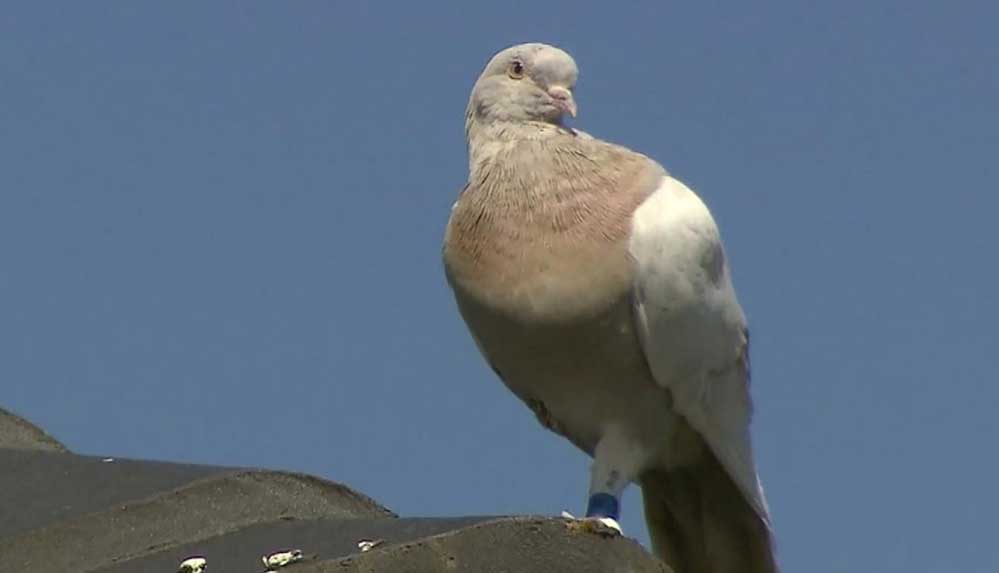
<point x="692" y="329"/>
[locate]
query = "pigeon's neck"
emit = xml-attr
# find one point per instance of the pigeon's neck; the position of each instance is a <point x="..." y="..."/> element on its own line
<point x="486" y="141"/>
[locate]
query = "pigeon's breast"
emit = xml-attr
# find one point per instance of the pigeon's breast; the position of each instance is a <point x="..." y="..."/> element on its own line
<point x="545" y="254"/>
<point x="541" y="279"/>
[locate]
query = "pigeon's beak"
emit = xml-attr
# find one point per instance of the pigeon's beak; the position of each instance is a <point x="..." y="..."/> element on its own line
<point x="563" y="99"/>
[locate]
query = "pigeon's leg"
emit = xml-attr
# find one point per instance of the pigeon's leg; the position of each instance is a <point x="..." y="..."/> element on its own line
<point x="616" y="462"/>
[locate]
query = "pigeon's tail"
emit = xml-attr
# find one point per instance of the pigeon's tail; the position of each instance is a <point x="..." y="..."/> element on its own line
<point x="699" y="522"/>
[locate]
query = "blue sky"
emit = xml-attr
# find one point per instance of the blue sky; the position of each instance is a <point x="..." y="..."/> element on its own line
<point x="220" y="230"/>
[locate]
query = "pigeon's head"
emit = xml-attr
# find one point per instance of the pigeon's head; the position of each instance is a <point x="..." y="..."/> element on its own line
<point x="527" y="82"/>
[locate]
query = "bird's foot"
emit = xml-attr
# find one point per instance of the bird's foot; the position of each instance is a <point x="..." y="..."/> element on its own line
<point x="605" y="526"/>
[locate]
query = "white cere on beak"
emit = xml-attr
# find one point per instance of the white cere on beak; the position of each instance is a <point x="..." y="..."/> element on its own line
<point x="563" y="99"/>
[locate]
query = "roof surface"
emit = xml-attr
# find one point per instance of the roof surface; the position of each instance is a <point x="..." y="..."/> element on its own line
<point x="68" y="512"/>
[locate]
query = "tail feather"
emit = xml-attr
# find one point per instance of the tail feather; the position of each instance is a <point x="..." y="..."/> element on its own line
<point x="699" y="522"/>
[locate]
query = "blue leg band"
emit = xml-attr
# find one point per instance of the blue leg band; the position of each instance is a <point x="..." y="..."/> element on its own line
<point x="603" y="505"/>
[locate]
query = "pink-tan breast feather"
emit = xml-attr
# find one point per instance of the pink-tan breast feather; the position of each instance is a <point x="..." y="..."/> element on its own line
<point x="541" y="234"/>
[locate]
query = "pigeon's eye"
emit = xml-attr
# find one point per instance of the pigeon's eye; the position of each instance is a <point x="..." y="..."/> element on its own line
<point x="516" y="70"/>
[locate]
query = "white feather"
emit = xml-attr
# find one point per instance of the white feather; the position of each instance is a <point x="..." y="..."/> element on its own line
<point x="692" y="328"/>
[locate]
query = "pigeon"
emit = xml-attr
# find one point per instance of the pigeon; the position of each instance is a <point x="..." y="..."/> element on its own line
<point x="596" y="286"/>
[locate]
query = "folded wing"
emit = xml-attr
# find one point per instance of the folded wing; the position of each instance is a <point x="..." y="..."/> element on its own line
<point x="692" y="329"/>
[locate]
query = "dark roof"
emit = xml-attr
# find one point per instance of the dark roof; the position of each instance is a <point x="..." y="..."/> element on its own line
<point x="19" y="434"/>
<point x="68" y="512"/>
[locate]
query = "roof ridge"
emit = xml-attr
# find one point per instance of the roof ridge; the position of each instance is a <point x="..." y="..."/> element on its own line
<point x="199" y="509"/>
<point x="17" y="433"/>
<point x="529" y="541"/>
